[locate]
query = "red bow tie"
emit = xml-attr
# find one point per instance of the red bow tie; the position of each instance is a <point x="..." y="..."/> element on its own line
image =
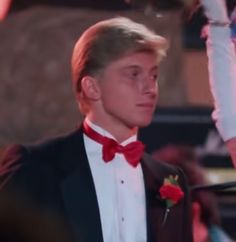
<point x="132" y="152"/>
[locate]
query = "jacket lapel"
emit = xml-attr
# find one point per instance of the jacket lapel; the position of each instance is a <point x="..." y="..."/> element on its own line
<point x="154" y="175"/>
<point x="150" y="187"/>
<point x="78" y="192"/>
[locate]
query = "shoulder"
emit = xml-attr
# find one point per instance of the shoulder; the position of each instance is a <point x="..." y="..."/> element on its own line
<point x="38" y="161"/>
<point x="52" y="148"/>
<point x="162" y="166"/>
<point x="161" y="169"/>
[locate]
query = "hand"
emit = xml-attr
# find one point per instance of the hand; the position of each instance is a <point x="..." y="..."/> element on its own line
<point x="231" y="146"/>
<point x="215" y="11"/>
<point x="200" y="231"/>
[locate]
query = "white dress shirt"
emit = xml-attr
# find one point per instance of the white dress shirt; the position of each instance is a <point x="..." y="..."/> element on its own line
<point x="222" y="73"/>
<point x="120" y="193"/>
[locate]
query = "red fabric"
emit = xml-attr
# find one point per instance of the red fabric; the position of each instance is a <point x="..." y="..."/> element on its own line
<point x="132" y="152"/>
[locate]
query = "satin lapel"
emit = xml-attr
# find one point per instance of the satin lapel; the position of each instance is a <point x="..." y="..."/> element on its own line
<point x="155" y="207"/>
<point x="79" y="193"/>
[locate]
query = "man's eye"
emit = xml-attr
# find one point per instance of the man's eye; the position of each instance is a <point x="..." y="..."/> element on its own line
<point x="154" y="77"/>
<point x="134" y="74"/>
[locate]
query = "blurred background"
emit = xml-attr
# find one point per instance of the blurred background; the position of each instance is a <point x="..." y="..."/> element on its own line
<point x="36" y="96"/>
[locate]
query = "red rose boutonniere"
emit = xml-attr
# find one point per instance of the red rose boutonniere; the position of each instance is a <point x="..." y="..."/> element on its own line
<point x="171" y="192"/>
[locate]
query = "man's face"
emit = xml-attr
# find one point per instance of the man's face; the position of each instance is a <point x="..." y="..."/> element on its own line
<point x="129" y="90"/>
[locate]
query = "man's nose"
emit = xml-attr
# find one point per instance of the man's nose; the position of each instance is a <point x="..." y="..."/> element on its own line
<point x="150" y="86"/>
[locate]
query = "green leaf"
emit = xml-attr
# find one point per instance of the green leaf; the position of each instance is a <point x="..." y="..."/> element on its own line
<point x="169" y="203"/>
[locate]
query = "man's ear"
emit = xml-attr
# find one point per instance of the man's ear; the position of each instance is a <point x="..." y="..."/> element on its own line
<point x="90" y="87"/>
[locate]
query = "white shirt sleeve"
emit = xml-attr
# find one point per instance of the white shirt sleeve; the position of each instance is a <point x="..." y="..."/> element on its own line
<point x="222" y="74"/>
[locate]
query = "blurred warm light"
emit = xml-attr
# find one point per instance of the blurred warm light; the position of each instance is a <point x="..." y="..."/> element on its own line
<point x="4" y="7"/>
<point x="220" y="175"/>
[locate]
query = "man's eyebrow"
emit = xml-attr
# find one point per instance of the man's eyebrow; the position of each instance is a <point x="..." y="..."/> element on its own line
<point x="155" y="67"/>
<point x="131" y="66"/>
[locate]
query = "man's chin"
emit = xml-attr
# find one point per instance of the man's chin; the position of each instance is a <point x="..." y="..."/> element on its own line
<point x="145" y="123"/>
<point x="140" y="122"/>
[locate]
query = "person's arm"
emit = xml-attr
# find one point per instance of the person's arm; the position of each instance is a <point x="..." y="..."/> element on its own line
<point x="4" y="8"/>
<point x="222" y="72"/>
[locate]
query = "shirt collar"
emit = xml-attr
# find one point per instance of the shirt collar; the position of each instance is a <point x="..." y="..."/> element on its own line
<point x="107" y="134"/>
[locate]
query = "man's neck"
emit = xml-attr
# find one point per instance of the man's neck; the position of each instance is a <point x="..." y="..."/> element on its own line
<point x="119" y="133"/>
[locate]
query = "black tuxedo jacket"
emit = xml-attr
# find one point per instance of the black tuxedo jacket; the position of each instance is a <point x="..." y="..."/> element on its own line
<point x="55" y="176"/>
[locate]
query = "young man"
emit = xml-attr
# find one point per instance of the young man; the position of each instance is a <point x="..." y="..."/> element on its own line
<point x="97" y="178"/>
<point x="222" y="71"/>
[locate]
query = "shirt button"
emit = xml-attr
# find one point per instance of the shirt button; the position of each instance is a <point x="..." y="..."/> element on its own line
<point x="122" y="219"/>
<point x="122" y="181"/>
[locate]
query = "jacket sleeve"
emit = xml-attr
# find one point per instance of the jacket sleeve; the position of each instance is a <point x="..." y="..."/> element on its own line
<point x="13" y="159"/>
